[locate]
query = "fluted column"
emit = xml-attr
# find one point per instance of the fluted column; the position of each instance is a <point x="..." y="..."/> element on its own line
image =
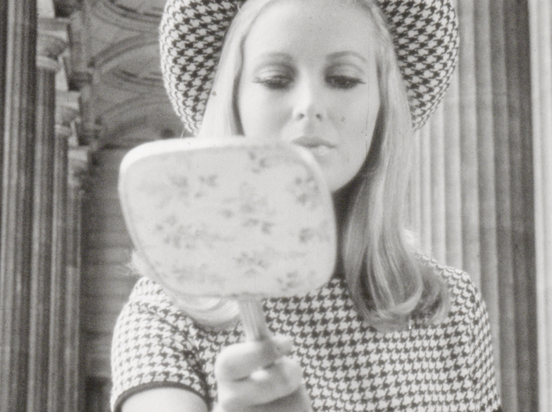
<point x="522" y="231"/>
<point x="58" y="276"/>
<point x="17" y="183"/>
<point x="74" y="380"/>
<point x="3" y="57"/>
<point x="541" y="77"/>
<point x="69" y="309"/>
<point x="48" y="49"/>
<point x="473" y="193"/>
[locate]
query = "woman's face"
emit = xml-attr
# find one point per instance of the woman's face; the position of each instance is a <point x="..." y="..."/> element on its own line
<point x="309" y="77"/>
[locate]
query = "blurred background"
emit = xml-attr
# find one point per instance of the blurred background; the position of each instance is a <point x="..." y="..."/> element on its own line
<point x="81" y="85"/>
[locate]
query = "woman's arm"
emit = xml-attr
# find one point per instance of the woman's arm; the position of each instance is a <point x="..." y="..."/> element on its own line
<point x="485" y="388"/>
<point x="251" y="376"/>
<point x="258" y="376"/>
<point x="164" y="400"/>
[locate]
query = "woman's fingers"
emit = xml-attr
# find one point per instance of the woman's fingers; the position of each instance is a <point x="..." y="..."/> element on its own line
<point x="298" y="401"/>
<point x="264" y="386"/>
<point x="253" y="376"/>
<point x="239" y="361"/>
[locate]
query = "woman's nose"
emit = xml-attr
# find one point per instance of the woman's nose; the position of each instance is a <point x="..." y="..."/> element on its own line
<point x="308" y="102"/>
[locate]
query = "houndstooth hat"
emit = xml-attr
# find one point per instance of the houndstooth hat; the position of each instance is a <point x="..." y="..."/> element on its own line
<point x="425" y="34"/>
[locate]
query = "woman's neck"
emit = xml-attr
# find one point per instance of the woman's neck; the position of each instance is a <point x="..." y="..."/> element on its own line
<point x="341" y="200"/>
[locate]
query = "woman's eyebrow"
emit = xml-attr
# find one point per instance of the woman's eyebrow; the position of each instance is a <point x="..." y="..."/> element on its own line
<point x="347" y="53"/>
<point x="274" y="55"/>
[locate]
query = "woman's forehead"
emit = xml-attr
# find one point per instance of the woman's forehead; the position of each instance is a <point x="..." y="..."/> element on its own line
<point x="313" y="11"/>
<point x="311" y="26"/>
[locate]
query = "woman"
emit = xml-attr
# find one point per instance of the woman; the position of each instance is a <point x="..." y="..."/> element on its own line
<point x="392" y="330"/>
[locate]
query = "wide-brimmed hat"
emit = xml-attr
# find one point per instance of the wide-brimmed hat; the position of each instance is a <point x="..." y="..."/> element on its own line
<point x="425" y="34"/>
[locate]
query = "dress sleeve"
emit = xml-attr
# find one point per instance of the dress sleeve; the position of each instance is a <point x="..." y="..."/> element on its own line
<point x="483" y="358"/>
<point x="152" y="348"/>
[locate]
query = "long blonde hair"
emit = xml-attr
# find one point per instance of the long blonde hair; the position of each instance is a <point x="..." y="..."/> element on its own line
<point x="386" y="279"/>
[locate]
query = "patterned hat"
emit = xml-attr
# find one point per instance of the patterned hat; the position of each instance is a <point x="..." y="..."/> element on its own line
<point x="425" y="34"/>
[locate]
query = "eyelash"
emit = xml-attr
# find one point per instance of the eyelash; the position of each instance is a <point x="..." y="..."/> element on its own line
<point x="343" y="82"/>
<point x="276" y="82"/>
<point x="281" y="82"/>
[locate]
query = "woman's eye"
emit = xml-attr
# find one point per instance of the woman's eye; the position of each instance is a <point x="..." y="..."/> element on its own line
<point x="343" y="82"/>
<point x="274" y="82"/>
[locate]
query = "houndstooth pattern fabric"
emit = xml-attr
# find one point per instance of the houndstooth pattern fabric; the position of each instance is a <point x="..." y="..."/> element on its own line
<point x="426" y="40"/>
<point x="348" y="366"/>
<point x="191" y="37"/>
<point x="192" y="33"/>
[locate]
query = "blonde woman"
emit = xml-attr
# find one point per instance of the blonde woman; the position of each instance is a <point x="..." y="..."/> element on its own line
<point x="350" y="80"/>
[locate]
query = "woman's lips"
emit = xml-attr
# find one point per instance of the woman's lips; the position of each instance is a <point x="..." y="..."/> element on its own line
<point x="319" y="151"/>
<point x="316" y="145"/>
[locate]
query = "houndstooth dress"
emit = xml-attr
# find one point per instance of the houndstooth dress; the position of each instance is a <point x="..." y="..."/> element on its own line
<point x="348" y="365"/>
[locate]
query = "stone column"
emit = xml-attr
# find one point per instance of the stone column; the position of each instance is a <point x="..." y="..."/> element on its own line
<point x="74" y="379"/>
<point x="473" y="190"/>
<point x="541" y="79"/>
<point x="68" y="259"/>
<point x="3" y="57"/>
<point x="49" y="48"/>
<point x="58" y="273"/>
<point x="18" y="143"/>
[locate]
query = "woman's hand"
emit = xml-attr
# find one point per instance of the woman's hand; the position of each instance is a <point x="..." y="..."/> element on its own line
<point x="257" y="376"/>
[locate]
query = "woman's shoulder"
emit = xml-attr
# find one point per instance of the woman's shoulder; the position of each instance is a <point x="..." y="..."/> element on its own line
<point x="153" y="345"/>
<point x="450" y="274"/>
<point x="149" y="303"/>
<point x="464" y="296"/>
<point x="145" y="288"/>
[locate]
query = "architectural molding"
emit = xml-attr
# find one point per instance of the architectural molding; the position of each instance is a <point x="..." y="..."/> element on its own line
<point x="139" y="120"/>
<point x="46" y="63"/>
<point x="79" y="163"/>
<point x="124" y="18"/>
<point x="76" y="64"/>
<point x="50" y="45"/>
<point x="122" y="65"/>
<point x="65" y="8"/>
<point x="52" y="41"/>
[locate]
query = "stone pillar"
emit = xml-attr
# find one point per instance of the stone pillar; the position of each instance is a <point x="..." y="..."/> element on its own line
<point x="74" y="379"/>
<point x="3" y="57"/>
<point x="473" y="189"/>
<point x="58" y="274"/>
<point x="49" y="48"/>
<point x="18" y="143"/>
<point x="541" y="79"/>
